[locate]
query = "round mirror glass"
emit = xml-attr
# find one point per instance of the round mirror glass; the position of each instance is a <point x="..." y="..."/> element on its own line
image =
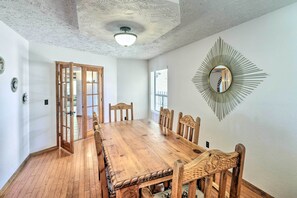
<point x="220" y="78"/>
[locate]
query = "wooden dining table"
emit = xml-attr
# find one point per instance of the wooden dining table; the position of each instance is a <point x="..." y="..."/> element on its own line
<point x="141" y="153"/>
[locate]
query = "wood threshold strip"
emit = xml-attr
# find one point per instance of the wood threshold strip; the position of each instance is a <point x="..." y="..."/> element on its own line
<point x="20" y="168"/>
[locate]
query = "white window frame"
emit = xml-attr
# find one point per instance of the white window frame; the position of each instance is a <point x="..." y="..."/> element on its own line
<point x="155" y="95"/>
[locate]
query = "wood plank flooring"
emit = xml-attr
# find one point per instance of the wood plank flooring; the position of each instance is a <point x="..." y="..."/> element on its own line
<point x="60" y="174"/>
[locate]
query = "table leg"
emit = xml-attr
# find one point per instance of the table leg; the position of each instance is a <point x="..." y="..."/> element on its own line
<point x="129" y="192"/>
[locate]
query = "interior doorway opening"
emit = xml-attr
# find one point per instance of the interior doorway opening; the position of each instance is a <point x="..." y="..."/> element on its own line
<point x="77" y="102"/>
<point x="79" y="93"/>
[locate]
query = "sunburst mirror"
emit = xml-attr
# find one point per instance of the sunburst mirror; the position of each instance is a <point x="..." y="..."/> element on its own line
<point x="225" y="78"/>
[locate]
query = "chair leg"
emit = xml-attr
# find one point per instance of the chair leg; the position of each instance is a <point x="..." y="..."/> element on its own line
<point x="166" y="185"/>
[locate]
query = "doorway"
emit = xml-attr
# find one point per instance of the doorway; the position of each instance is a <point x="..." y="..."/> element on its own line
<point x="77" y="103"/>
<point x="79" y="93"/>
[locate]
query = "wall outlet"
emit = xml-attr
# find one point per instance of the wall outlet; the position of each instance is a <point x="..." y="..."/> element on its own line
<point x="207" y="144"/>
<point x="46" y="102"/>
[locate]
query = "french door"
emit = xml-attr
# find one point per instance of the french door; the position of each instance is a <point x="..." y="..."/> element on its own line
<point x="66" y="107"/>
<point x="92" y="101"/>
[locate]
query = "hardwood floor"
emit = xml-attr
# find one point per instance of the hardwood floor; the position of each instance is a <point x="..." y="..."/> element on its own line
<point x="60" y="174"/>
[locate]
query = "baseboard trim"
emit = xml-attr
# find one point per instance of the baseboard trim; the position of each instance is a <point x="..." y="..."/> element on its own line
<point x="44" y="151"/>
<point x="253" y="188"/>
<point x="16" y="173"/>
<point x="12" y="178"/>
<point x="256" y="189"/>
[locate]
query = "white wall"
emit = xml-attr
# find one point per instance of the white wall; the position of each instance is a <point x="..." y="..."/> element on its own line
<point x="132" y="79"/>
<point x="42" y="86"/>
<point x="14" y="115"/>
<point x="266" y="121"/>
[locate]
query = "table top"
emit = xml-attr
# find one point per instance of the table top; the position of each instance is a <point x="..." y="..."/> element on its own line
<point x="139" y="151"/>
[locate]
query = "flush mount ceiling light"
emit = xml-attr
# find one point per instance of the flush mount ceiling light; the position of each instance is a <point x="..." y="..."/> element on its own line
<point x="125" y="38"/>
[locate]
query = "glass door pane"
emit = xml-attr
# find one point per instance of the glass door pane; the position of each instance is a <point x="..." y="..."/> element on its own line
<point x="92" y="97"/>
<point x="66" y="107"/>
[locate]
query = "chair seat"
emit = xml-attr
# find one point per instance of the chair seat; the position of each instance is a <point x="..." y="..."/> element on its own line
<point x="167" y="193"/>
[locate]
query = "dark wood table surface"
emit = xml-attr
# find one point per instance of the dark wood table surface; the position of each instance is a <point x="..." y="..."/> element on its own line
<point x="140" y="153"/>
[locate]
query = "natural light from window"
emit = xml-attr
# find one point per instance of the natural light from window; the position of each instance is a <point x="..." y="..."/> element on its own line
<point x="159" y="88"/>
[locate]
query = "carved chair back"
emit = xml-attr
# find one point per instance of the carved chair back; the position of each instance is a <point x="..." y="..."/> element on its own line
<point x="101" y="164"/>
<point x="96" y="124"/>
<point x="204" y="167"/>
<point x="121" y="107"/>
<point x="188" y="128"/>
<point x="166" y="118"/>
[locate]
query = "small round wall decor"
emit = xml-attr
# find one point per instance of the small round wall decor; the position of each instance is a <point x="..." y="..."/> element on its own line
<point x="25" y="98"/>
<point x="14" y="84"/>
<point x="2" y="68"/>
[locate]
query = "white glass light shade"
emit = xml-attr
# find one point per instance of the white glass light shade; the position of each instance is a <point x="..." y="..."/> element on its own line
<point x="125" y="39"/>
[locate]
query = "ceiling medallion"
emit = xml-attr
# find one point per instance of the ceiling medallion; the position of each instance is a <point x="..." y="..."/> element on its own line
<point x="225" y="78"/>
<point x="125" y="38"/>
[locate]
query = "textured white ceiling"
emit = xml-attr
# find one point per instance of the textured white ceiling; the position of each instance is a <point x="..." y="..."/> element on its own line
<point x="148" y="19"/>
<point x="161" y="25"/>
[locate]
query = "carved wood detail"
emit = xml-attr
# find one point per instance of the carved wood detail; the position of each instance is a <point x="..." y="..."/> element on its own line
<point x="208" y="163"/>
<point x="166" y="118"/>
<point x="120" y="106"/>
<point x="96" y="125"/>
<point x="130" y="192"/>
<point x="165" y="112"/>
<point x="188" y="120"/>
<point x="188" y="128"/>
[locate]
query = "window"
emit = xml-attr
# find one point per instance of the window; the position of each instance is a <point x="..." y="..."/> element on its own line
<point x="159" y="89"/>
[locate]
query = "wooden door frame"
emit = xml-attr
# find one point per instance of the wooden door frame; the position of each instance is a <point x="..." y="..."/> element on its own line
<point x="69" y="146"/>
<point x="84" y="67"/>
<point x="100" y="95"/>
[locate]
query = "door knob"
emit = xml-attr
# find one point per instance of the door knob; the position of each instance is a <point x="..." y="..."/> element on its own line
<point x="71" y="113"/>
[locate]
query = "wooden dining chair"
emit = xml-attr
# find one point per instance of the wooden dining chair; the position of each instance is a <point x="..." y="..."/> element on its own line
<point x="185" y="177"/>
<point x="121" y="107"/>
<point x="188" y="128"/>
<point x="96" y="124"/>
<point x="166" y="118"/>
<point x="106" y="190"/>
